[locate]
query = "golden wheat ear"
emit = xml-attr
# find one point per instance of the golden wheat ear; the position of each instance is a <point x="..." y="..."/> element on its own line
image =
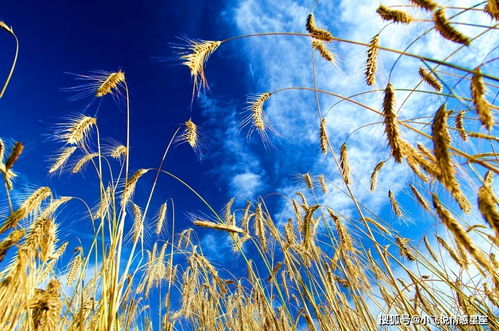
<point x="5" y="27"/>
<point x="397" y="16"/>
<point x="194" y="56"/>
<point x="446" y="30"/>
<point x="425" y="4"/>
<point x="372" y="56"/>
<point x="109" y="83"/>
<point x="492" y="8"/>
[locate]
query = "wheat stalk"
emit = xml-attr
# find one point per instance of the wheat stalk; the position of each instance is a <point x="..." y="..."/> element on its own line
<point x="130" y="186"/>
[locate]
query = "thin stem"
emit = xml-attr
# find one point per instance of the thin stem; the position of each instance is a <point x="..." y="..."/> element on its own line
<point x="12" y="67"/>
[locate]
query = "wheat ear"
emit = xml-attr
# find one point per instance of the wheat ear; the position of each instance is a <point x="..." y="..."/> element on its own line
<point x="316" y="32"/>
<point x="460" y="125"/>
<point x="446" y="30"/>
<point x="374" y="175"/>
<point x="372" y="59"/>
<point x="392" y="15"/>
<point x="109" y="83"/>
<point x="425" y="4"/>
<point x="481" y="104"/>
<point x="429" y="78"/>
<point x="344" y="164"/>
<point x="390" y="120"/>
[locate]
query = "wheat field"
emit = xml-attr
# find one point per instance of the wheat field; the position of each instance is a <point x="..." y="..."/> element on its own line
<point x="309" y="265"/>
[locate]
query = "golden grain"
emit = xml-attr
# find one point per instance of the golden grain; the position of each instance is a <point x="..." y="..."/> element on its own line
<point x="430" y="78"/>
<point x="446" y="30"/>
<point x="425" y="4"/>
<point x="374" y="175"/>
<point x="110" y="82"/>
<point x="397" y="16"/>
<point x="390" y="120"/>
<point x="316" y="32"/>
<point x="481" y="104"/>
<point x="344" y="164"/>
<point x="372" y="59"/>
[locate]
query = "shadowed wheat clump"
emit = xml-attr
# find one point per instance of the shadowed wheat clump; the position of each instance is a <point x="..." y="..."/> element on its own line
<point x="312" y="266"/>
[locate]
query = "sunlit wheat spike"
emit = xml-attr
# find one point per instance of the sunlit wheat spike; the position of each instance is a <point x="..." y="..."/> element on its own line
<point x="344" y="164"/>
<point x="425" y="4"/>
<point x="2" y="151"/>
<point x="308" y="181"/>
<point x="256" y="107"/>
<point x="53" y="206"/>
<point x="374" y="175"/>
<point x="443" y="158"/>
<point x="323" y="51"/>
<point x="430" y="249"/>
<point x="104" y="204"/>
<point x="429" y="78"/>
<point x="322" y="181"/>
<point x="62" y="158"/>
<point x="316" y="32"/>
<point x="194" y="56"/>
<point x="482" y="136"/>
<point x="488" y="207"/>
<point x="481" y="104"/>
<point x="109" y="83"/>
<point x="28" y="206"/>
<point x="390" y="121"/>
<point x="14" y="155"/>
<point x="451" y="251"/>
<point x="419" y="197"/>
<point x="460" y="234"/>
<point x="161" y="218"/>
<point x="404" y="250"/>
<point x="218" y="226"/>
<point x="372" y="60"/>
<point x="324" y="140"/>
<point x="378" y="225"/>
<point x="78" y="129"/>
<point x="130" y="186"/>
<point x="119" y="151"/>
<point x="345" y="238"/>
<point x="84" y="160"/>
<point x="446" y="30"/>
<point x="6" y="27"/>
<point x="492" y="8"/>
<point x="191" y="133"/>
<point x="397" y="16"/>
<point x="138" y="223"/>
<point x="74" y="267"/>
<point x="460" y="125"/>
<point x="394" y="203"/>
<point x="260" y="226"/>
<point x="10" y="241"/>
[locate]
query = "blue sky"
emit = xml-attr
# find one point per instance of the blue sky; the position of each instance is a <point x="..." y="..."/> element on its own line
<point x="58" y="37"/>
